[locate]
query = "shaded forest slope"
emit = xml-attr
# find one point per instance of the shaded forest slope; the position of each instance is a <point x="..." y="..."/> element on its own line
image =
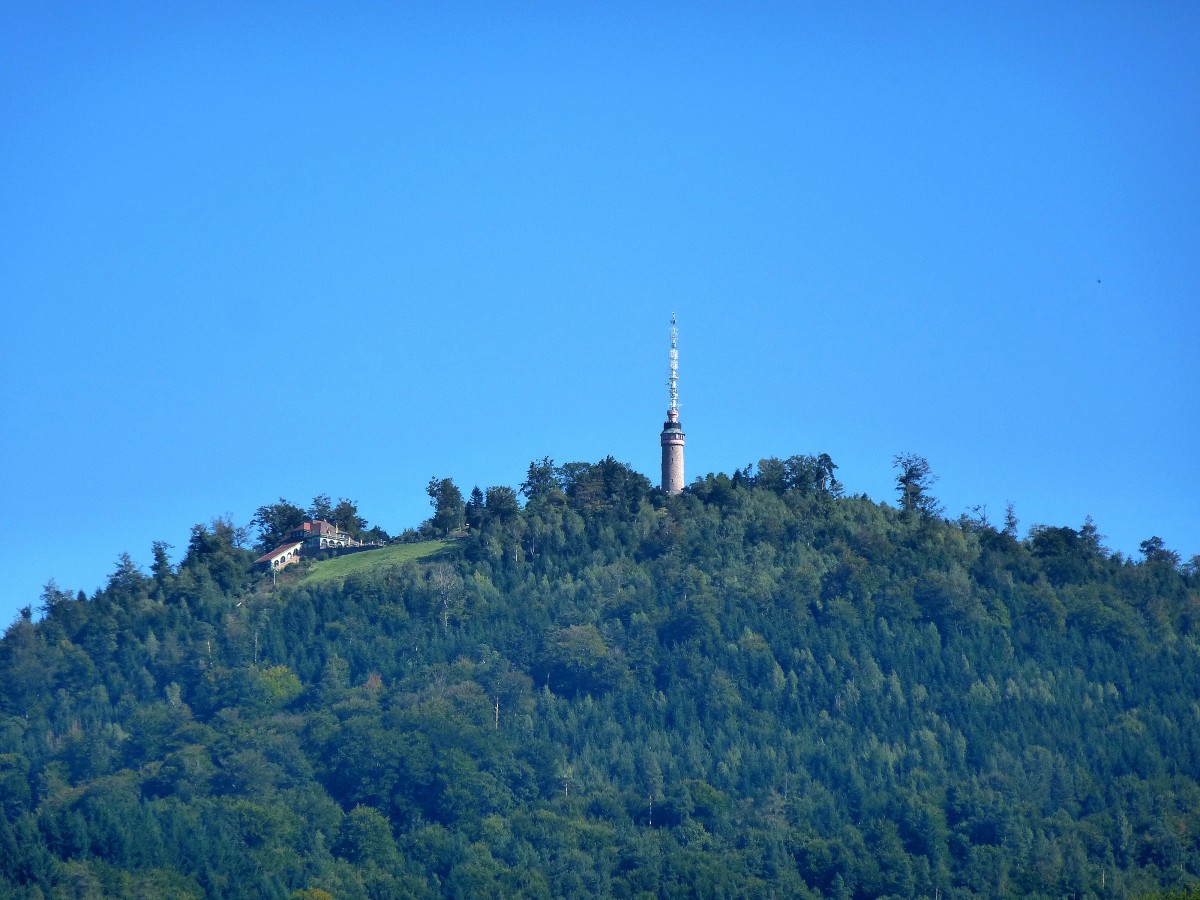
<point x="757" y="688"/>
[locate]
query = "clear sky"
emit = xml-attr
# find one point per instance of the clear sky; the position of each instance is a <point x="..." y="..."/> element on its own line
<point x="260" y="250"/>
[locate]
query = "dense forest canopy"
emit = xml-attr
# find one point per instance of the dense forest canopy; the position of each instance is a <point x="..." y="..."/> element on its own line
<point x="757" y="688"/>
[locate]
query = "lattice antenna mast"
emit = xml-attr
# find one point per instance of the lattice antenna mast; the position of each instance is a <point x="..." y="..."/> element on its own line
<point x="673" y="378"/>
<point x="672" y="435"/>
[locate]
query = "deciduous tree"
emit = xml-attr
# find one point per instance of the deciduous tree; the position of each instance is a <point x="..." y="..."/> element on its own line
<point x="449" y="511"/>
<point x="345" y="516"/>
<point x="914" y="482"/>
<point x="321" y="507"/>
<point x="1154" y="549"/>
<point x="501" y="503"/>
<point x="275" y="521"/>
<point x="541" y="479"/>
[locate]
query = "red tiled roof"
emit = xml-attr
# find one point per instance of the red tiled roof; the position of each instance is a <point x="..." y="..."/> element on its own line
<point x="282" y="548"/>
<point x="316" y="526"/>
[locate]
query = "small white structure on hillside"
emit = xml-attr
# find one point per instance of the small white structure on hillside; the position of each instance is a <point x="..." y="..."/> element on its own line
<point x="283" y="555"/>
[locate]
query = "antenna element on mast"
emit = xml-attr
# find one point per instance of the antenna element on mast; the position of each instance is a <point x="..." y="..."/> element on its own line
<point x="673" y="378"/>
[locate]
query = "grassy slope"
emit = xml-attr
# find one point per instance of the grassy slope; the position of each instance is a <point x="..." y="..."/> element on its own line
<point x="341" y="566"/>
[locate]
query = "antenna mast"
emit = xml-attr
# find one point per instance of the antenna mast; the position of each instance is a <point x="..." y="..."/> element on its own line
<point x="673" y="378"/>
<point x="672" y="434"/>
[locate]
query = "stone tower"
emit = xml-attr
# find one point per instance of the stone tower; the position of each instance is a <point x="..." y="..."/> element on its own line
<point x="672" y="433"/>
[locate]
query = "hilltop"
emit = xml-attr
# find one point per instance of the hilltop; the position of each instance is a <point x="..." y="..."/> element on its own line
<point x="756" y="688"/>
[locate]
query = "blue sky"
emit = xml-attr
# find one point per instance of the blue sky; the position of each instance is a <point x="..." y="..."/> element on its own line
<point x="252" y="251"/>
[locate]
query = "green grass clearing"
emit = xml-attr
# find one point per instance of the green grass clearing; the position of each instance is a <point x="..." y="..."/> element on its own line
<point x="369" y="560"/>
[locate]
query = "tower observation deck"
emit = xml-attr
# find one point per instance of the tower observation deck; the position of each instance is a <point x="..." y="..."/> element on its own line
<point x="672" y="433"/>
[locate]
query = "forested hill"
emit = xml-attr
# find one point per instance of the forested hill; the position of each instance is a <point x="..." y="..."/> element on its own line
<point x="757" y="688"/>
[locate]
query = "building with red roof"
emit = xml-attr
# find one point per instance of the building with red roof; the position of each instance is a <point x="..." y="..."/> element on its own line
<point x="283" y="555"/>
